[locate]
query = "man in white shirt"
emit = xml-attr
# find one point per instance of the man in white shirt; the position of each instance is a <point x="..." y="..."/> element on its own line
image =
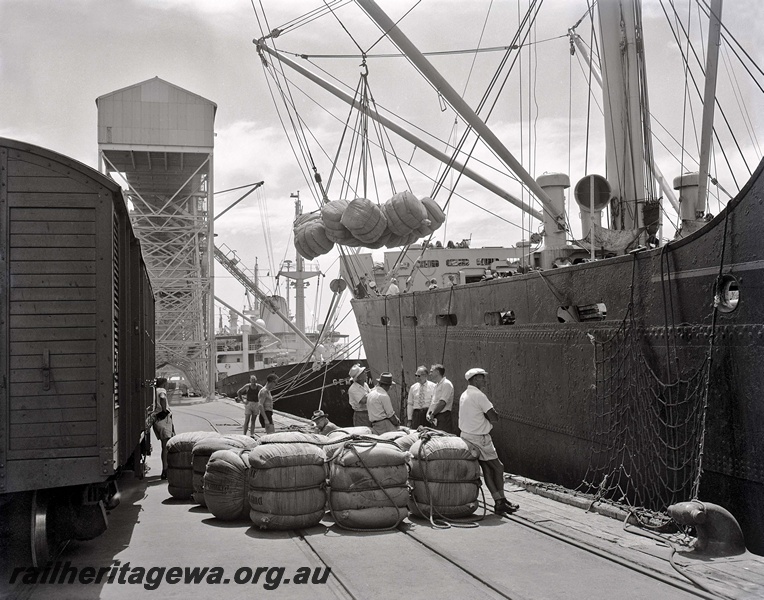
<point x="476" y="418"/>
<point x="381" y="412"/>
<point x="419" y="399"/>
<point x="442" y="400"/>
<point x="393" y="289"/>
<point x="357" y="394"/>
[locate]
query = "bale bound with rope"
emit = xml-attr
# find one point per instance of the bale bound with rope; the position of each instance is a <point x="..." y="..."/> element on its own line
<point x="368" y="484"/>
<point x="287" y="481"/>
<point x="445" y="476"/>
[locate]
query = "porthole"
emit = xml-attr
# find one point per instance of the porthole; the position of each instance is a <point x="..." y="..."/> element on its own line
<point x="728" y="294"/>
<point x="448" y="320"/>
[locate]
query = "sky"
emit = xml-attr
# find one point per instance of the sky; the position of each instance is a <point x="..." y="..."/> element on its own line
<point x="58" y="56"/>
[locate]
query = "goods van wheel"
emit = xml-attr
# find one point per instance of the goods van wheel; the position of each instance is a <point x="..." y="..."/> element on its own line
<point x="43" y="540"/>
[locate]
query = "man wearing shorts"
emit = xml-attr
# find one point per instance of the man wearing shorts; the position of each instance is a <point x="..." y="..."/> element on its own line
<point x="266" y="403"/>
<point x="476" y="418"/>
<point x="252" y="404"/>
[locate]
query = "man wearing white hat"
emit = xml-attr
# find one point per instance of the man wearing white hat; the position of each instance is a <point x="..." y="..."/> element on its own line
<point x="381" y="412"/>
<point x="357" y="394"/>
<point x="476" y="418"/>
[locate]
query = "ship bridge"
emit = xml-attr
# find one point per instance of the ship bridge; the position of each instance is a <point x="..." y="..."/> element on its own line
<point x="156" y="139"/>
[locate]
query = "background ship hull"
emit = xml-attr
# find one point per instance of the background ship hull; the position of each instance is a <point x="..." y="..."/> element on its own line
<point x="542" y="372"/>
<point x="305" y="396"/>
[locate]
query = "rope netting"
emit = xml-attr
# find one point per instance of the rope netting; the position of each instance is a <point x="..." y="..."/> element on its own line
<point x="648" y="433"/>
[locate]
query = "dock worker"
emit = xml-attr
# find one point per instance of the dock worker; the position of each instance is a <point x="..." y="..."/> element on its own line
<point x="476" y="418"/>
<point x="266" y="403"/>
<point x="322" y="422"/>
<point x="381" y="413"/>
<point x="439" y="413"/>
<point x="419" y="399"/>
<point x="393" y="288"/>
<point x="361" y="290"/>
<point x="357" y="394"/>
<point x="251" y="403"/>
<point x="162" y="420"/>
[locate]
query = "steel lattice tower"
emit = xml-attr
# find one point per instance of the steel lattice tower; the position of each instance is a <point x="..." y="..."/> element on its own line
<point x="159" y="139"/>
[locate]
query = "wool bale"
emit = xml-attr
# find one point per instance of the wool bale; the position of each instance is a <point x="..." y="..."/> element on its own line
<point x="310" y="239"/>
<point x="331" y="216"/>
<point x="287" y="485"/>
<point x="365" y="220"/>
<point x="226" y="480"/>
<point x="393" y="435"/>
<point x="292" y="437"/>
<point x="397" y="241"/>
<point x="202" y="451"/>
<point x="435" y="216"/>
<point x="339" y="437"/>
<point x="445" y="475"/>
<point x="382" y="240"/>
<point x="180" y="474"/>
<point x="404" y="212"/>
<point x="368" y="485"/>
<point x="405" y="442"/>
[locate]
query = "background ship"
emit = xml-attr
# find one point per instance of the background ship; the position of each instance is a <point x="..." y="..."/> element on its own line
<point x="621" y="364"/>
<point x="312" y="362"/>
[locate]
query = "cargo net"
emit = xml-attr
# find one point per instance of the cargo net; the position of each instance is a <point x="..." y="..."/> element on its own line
<point x="647" y="433"/>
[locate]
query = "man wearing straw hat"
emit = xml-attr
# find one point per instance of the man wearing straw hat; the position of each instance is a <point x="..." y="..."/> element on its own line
<point x="357" y="394"/>
<point x="381" y="413"/>
<point x="476" y="419"/>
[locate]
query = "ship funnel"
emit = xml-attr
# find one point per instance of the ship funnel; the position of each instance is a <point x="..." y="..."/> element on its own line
<point x="592" y="190"/>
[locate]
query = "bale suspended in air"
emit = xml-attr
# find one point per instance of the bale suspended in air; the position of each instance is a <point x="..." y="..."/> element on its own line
<point x="435" y="217"/>
<point x="365" y="220"/>
<point x="310" y="238"/>
<point x="396" y="241"/>
<point x="287" y="485"/>
<point x="445" y="474"/>
<point x="405" y="213"/>
<point x="202" y="451"/>
<point x="226" y="489"/>
<point x="180" y="470"/>
<point x="368" y="485"/>
<point x="331" y="216"/>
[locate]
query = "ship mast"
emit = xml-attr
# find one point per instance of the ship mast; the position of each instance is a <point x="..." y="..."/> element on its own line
<point x="709" y="98"/>
<point x="299" y="274"/>
<point x="624" y="91"/>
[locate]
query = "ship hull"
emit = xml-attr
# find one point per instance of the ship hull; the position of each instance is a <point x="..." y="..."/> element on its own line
<point x="302" y="390"/>
<point x="563" y="389"/>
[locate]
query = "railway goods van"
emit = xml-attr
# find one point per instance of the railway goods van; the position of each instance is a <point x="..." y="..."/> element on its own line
<point x="76" y="348"/>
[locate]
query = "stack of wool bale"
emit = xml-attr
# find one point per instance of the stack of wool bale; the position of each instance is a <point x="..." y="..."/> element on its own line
<point x="368" y="484"/>
<point x="287" y="481"/>
<point x="445" y="476"/>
